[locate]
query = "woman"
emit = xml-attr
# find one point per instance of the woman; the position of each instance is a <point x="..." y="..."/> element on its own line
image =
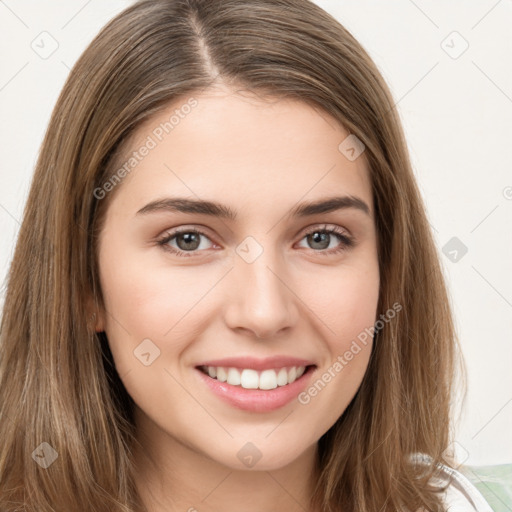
<point x="225" y="292"/>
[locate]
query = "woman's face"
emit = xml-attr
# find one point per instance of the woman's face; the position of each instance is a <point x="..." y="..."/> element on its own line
<point x="258" y="291"/>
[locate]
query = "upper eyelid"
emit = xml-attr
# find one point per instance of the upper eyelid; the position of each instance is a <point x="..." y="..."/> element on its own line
<point x="325" y="226"/>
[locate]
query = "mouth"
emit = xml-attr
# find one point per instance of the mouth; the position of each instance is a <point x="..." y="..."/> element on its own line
<point x="256" y="390"/>
<point x="249" y="378"/>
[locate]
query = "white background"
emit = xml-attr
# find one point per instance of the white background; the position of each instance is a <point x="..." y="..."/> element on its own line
<point x="457" y="116"/>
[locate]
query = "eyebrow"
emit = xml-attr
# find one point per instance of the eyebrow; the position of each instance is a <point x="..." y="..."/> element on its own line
<point x="214" y="209"/>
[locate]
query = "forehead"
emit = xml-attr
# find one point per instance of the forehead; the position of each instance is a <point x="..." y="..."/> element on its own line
<point x="242" y="148"/>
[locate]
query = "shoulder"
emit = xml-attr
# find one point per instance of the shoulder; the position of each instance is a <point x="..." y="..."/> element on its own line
<point x="460" y="494"/>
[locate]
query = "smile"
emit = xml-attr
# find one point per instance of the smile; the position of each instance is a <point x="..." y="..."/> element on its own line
<point x="255" y="390"/>
<point x="249" y="378"/>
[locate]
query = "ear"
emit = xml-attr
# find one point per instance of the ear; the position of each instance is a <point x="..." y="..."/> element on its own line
<point x="95" y="316"/>
<point x="99" y="321"/>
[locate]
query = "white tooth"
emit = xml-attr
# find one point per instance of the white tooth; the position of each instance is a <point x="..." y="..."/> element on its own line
<point x="212" y="371"/>
<point x="292" y="374"/>
<point x="268" y="379"/>
<point x="300" y="371"/>
<point x="233" y="377"/>
<point x="221" y="374"/>
<point x="282" y="377"/>
<point x="249" y="379"/>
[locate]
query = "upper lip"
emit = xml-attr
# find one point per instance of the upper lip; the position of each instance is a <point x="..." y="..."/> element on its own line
<point x="258" y="364"/>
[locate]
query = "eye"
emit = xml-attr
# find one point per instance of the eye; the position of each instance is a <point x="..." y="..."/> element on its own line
<point x="320" y="238"/>
<point x="187" y="239"/>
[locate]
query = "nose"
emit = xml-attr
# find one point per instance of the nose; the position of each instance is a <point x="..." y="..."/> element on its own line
<point x="262" y="301"/>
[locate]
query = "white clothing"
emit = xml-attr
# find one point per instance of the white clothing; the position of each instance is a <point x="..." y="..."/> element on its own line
<point x="461" y="495"/>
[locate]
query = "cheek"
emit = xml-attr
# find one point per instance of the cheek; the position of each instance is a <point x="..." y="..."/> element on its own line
<point x="155" y="302"/>
<point x="149" y="323"/>
<point x="344" y="301"/>
<point x="346" y="306"/>
<point x="149" y="299"/>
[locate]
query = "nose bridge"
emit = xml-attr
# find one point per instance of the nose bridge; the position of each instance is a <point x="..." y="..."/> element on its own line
<point x="261" y="300"/>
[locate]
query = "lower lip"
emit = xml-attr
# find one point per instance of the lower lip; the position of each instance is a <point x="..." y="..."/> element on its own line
<point x="257" y="400"/>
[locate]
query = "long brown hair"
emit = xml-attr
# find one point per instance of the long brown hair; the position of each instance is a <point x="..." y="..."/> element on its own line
<point x="58" y="384"/>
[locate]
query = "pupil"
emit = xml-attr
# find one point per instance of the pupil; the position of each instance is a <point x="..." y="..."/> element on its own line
<point x="317" y="238"/>
<point x="189" y="238"/>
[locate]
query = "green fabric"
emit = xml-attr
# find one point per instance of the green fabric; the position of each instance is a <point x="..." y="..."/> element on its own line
<point x="494" y="483"/>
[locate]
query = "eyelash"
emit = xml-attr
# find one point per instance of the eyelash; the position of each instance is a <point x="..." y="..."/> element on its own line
<point x="347" y="242"/>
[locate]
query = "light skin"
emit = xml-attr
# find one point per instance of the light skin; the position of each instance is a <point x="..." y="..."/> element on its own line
<point x="297" y="298"/>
